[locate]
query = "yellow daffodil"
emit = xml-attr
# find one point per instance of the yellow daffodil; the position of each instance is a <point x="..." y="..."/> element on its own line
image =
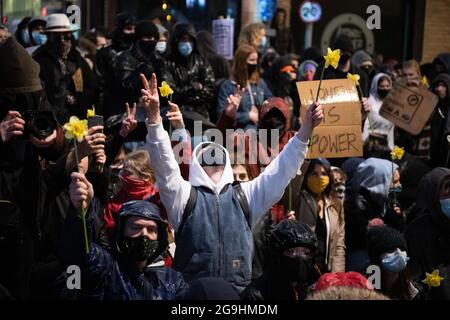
<point x="91" y="112"/>
<point x="425" y="81"/>
<point x="433" y="279"/>
<point x="76" y="128"/>
<point x="165" y="89"/>
<point x="332" y="58"/>
<point x="397" y="153"/>
<point x="354" y="78"/>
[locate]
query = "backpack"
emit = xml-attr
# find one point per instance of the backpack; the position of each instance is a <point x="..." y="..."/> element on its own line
<point x="242" y="199"/>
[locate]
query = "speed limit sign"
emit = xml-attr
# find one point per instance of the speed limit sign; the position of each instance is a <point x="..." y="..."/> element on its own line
<point x="310" y="11"/>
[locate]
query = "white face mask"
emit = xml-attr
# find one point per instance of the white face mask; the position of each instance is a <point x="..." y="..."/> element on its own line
<point x="161" y="46"/>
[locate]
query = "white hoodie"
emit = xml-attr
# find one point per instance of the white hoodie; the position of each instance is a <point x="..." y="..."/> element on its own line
<point x="262" y="193"/>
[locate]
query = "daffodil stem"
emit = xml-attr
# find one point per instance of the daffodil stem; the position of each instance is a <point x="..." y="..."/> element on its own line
<point x="82" y="211"/>
<point x="317" y="99"/>
<point x="320" y="83"/>
<point x="83" y="218"/>
<point x="395" y="197"/>
<point x="290" y="197"/>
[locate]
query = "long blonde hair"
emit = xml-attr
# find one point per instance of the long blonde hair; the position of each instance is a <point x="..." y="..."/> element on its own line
<point x="250" y="34"/>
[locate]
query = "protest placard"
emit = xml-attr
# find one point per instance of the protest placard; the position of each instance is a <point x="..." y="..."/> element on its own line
<point x="339" y="134"/>
<point x="409" y="107"/>
<point x="223" y="34"/>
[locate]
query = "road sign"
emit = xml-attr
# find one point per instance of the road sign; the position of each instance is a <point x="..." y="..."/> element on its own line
<point x="310" y="11"/>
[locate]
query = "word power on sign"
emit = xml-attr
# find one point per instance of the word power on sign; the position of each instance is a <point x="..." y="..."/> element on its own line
<point x="340" y="133"/>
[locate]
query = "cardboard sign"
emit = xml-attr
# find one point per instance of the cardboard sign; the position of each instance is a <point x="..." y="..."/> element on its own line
<point x="223" y="34"/>
<point x="340" y="133"/>
<point x="78" y="80"/>
<point x="409" y="107"/>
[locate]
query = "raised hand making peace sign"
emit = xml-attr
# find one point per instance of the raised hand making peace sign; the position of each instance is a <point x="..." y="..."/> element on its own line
<point x="150" y="99"/>
<point x="130" y="122"/>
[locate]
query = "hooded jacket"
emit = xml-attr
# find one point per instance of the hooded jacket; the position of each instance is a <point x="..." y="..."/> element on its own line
<point x="428" y="236"/>
<point x="219" y="64"/>
<point x="213" y="249"/>
<point x="111" y="275"/>
<point x="440" y="126"/>
<point x="272" y="284"/>
<point x="371" y="184"/>
<point x="57" y="76"/>
<point x="193" y="76"/>
<point x="444" y="59"/>
<point x="375" y="123"/>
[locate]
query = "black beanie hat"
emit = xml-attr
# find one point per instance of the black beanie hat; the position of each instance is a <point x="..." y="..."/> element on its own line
<point x="382" y="239"/>
<point x="146" y="28"/>
<point x="20" y="73"/>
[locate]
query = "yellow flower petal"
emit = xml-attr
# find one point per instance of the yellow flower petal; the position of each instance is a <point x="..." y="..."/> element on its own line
<point x="354" y="77"/>
<point x="165" y="89"/>
<point x="75" y="128"/>
<point x="397" y="153"/>
<point x="433" y="279"/>
<point x="332" y="58"/>
<point x="91" y="112"/>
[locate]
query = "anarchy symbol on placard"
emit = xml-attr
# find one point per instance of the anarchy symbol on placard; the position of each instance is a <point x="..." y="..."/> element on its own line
<point x="413" y="100"/>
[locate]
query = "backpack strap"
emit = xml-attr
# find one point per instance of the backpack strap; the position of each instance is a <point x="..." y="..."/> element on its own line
<point x="242" y="199"/>
<point x="240" y="195"/>
<point x="187" y="210"/>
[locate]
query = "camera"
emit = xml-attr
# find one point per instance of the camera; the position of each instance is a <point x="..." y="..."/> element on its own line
<point x="40" y="124"/>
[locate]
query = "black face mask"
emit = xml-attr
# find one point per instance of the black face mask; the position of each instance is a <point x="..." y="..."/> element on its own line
<point x="147" y="46"/>
<point x="250" y="69"/>
<point x="127" y="38"/>
<point x="61" y="47"/>
<point x="273" y="123"/>
<point x="383" y="93"/>
<point x="139" y="248"/>
<point x="298" y="270"/>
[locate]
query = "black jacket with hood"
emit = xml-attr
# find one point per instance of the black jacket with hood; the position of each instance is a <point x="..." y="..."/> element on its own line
<point x="113" y="276"/>
<point x="58" y="78"/>
<point x="193" y="76"/>
<point x="440" y="126"/>
<point x="428" y="236"/>
<point x="24" y="186"/>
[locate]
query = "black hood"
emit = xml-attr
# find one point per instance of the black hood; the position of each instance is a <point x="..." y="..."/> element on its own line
<point x="147" y="210"/>
<point x="427" y="197"/>
<point x="293" y="233"/>
<point x="206" y="45"/>
<point x="179" y="30"/>
<point x="444" y="58"/>
<point x="443" y="77"/>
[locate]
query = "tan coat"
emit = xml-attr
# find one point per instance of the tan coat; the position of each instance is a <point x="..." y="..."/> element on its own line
<point x="335" y="248"/>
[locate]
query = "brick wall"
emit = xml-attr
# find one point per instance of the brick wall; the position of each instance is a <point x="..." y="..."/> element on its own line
<point x="286" y="4"/>
<point x="436" y="30"/>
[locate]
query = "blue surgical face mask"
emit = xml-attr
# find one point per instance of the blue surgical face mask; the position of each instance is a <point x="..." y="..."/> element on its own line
<point x="39" y="38"/>
<point x="185" y="48"/>
<point x="395" y="261"/>
<point x="161" y="46"/>
<point x="264" y="44"/>
<point x="445" y="206"/>
<point x="26" y="37"/>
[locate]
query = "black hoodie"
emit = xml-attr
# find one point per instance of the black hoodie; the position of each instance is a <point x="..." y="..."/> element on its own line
<point x="440" y="125"/>
<point x="193" y="75"/>
<point x="428" y="236"/>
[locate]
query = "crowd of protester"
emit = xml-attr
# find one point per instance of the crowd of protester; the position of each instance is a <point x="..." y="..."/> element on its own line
<point x="145" y="216"/>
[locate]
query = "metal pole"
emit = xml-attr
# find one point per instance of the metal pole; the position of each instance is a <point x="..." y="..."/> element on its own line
<point x="308" y="35"/>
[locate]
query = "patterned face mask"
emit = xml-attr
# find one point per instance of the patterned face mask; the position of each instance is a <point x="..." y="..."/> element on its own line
<point x="138" y="249"/>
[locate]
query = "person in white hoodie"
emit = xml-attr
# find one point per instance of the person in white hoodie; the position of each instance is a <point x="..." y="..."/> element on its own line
<point x="211" y="216"/>
<point x="374" y="123"/>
